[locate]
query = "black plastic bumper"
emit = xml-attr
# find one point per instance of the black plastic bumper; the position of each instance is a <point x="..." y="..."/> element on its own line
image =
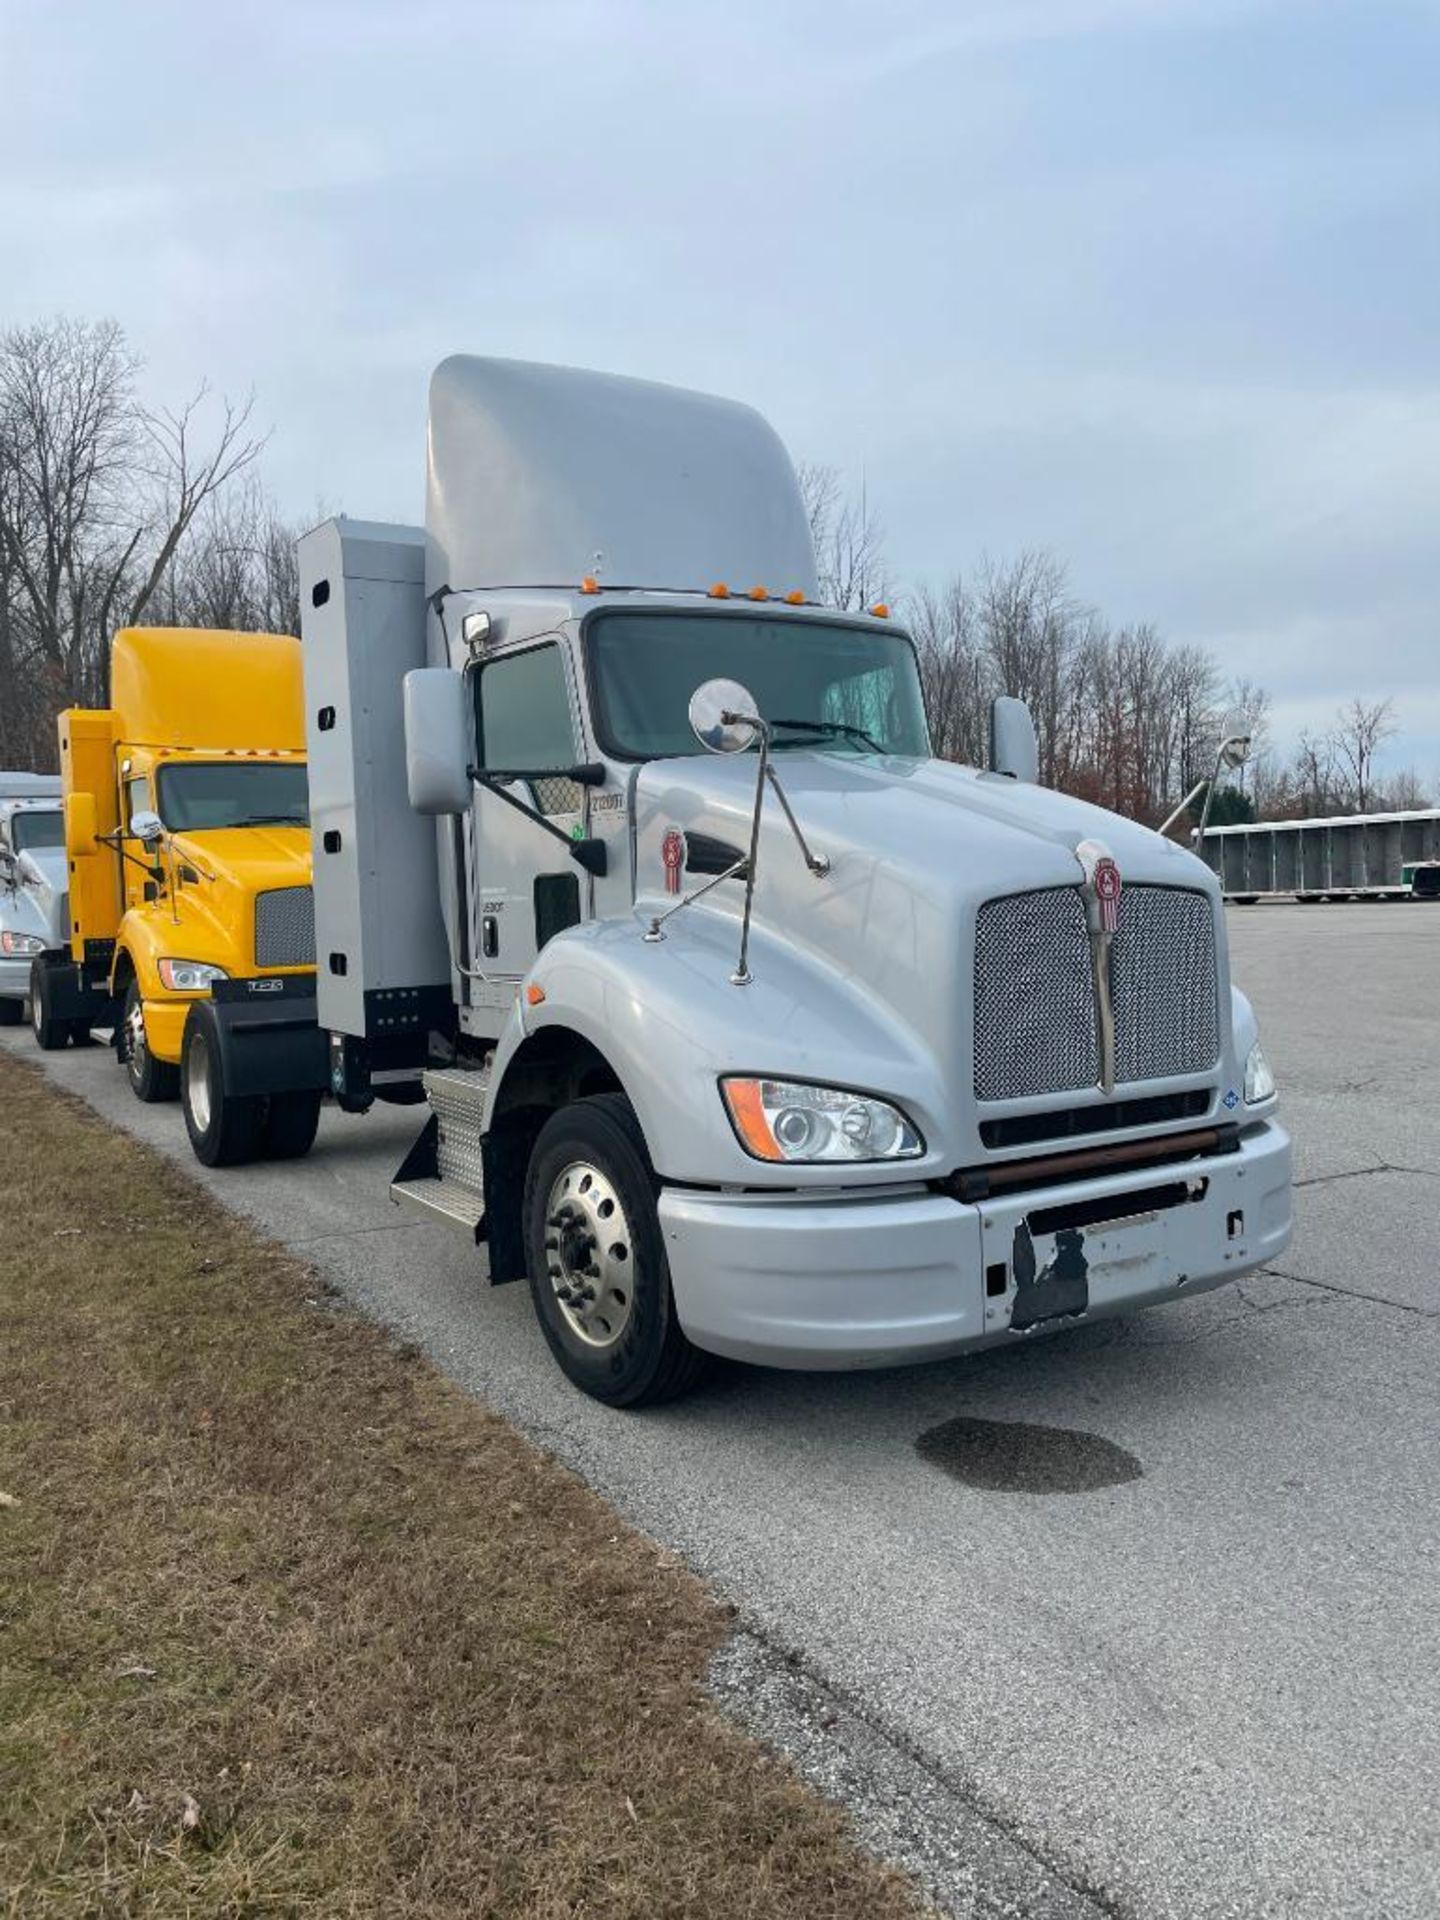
<point x="269" y="1035"/>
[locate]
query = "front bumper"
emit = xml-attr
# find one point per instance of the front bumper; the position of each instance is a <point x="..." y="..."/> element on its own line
<point x="856" y="1280"/>
<point x="165" y="1026"/>
<point x="15" y="977"/>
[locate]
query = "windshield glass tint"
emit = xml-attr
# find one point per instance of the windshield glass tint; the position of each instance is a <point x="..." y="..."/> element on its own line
<point x="645" y="666"/>
<point x="31" y="830"/>
<point x="233" y="793"/>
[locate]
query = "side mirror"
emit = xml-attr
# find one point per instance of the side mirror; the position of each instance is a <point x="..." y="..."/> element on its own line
<point x="1235" y="750"/>
<point x="146" y="827"/>
<point x="437" y="740"/>
<point x="81" y="825"/>
<point x="724" y="717"/>
<point x="1014" y="750"/>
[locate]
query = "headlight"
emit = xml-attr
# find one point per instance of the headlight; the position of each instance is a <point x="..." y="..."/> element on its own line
<point x="20" y="944"/>
<point x="1259" y="1080"/>
<point x="189" y="976"/>
<point x="788" y="1120"/>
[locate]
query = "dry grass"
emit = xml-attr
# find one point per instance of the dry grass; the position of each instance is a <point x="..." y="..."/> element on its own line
<point x="289" y="1626"/>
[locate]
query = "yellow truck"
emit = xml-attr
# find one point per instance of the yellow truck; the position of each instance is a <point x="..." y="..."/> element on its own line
<point x="191" y="914"/>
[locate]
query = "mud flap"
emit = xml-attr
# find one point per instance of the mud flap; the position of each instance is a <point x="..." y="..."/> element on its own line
<point x="268" y="1031"/>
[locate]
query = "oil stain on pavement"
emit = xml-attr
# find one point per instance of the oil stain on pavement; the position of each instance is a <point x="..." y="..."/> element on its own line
<point x="1012" y="1456"/>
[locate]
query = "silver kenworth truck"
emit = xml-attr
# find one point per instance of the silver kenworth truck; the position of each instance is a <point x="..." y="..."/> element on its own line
<point x="33" y="886"/>
<point x="745" y="1025"/>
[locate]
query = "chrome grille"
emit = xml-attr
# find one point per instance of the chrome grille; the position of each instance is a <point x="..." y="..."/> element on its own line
<point x="285" y="928"/>
<point x="1034" y="996"/>
<point x="1167" y="1019"/>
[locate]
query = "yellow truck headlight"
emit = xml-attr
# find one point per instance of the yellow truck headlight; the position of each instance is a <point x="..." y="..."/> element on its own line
<point x="792" y="1120"/>
<point x="189" y="976"/>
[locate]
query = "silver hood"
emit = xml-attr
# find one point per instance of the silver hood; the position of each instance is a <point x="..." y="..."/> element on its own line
<point x="916" y="849"/>
<point x="40" y="905"/>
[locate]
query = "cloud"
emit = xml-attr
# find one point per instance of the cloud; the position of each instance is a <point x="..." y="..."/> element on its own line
<point x="1151" y="282"/>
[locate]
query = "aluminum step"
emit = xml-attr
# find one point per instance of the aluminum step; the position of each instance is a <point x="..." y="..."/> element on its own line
<point x="443" y="1175"/>
<point x="447" y="1200"/>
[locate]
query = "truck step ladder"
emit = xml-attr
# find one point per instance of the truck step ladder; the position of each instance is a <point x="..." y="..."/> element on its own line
<point x="442" y="1176"/>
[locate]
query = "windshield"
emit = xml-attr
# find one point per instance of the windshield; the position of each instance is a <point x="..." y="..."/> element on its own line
<point x="233" y="793"/>
<point x="31" y="830"/>
<point x="860" y="687"/>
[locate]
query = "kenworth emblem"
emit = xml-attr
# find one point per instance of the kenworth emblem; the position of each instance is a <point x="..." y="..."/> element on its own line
<point x="1108" y="888"/>
<point x="672" y="852"/>
<point x="1103" y="888"/>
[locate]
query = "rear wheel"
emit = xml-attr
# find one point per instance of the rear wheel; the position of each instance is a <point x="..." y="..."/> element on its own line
<point x="151" y="1080"/>
<point x="12" y="1012"/>
<point x="224" y="1129"/>
<point x="596" y="1258"/>
<point x="51" y="1034"/>
<point x="288" y="1130"/>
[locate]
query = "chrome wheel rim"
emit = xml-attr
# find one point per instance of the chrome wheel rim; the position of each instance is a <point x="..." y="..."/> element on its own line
<point x="588" y="1255"/>
<point x="135" y="1048"/>
<point x="197" y="1082"/>
<point x="37" y="1016"/>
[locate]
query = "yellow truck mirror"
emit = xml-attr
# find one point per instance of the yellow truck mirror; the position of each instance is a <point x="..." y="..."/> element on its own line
<point x="80" y="825"/>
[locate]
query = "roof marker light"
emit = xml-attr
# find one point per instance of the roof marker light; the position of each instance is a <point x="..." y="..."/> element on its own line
<point x="719" y="591"/>
<point x="758" y="593"/>
<point x="795" y="599"/>
<point x="880" y="610"/>
<point x="589" y="584"/>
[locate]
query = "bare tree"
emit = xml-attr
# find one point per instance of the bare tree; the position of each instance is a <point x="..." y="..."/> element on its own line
<point x="96" y="493"/>
<point x="236" y="567"/>
<point x="848" y="539"/>
<point x="1361" y="729"/>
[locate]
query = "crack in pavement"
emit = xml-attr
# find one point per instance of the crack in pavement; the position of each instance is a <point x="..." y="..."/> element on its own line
<point x="904" y="1805"/>
<point x="1354" y="1293"/>
<point x="1359" y="1173"/>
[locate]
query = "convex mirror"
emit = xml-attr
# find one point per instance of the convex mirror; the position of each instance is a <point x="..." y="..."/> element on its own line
<point x="724" y="716"/>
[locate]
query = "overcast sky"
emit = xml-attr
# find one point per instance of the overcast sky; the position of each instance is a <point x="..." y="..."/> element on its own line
<point x="1154" y="284"/>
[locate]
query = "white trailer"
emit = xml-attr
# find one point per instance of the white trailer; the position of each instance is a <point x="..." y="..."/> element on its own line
<point x="1359" y="856"/>
<point x="745" y="1026"/>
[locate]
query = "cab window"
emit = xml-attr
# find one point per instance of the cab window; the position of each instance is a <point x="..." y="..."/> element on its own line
<point x="524" y="721"/>
<point x="137" y="797"/>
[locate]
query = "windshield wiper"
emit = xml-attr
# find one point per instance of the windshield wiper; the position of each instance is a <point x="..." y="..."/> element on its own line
<point x="840" y="727"/>
<point x="271" y="820"/>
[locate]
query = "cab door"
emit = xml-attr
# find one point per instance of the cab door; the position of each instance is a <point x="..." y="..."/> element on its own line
<point x="525" y="886"/>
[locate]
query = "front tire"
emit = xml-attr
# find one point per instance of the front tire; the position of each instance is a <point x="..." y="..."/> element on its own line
<point x="51" y="1033"/>
<point x="599" y="1278"/>
<point x="288" y="1130"/>
<point x="224" y="1129"/>
<point x="151" y="1080"/>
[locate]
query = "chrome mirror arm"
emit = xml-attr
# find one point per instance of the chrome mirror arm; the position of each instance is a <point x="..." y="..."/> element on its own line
<point x="653" y="933"/>
<point x="742" y="975"/>
<point x="818" y="864"/>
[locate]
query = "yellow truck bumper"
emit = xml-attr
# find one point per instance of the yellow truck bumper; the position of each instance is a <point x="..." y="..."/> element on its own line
<point x="164" y="1026"/>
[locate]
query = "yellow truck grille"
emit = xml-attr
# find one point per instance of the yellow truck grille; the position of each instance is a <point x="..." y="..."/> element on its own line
<point x="285" y="927"/>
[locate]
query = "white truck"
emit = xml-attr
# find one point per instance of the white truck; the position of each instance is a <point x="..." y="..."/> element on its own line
<point x="33" y="888"/>
<point x="746" y="1026"/>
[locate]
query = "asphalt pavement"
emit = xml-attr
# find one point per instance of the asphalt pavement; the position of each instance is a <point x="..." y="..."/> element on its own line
<point x="1142" y="1618"/>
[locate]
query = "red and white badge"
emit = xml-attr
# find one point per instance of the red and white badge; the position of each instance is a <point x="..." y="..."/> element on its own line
<point x="1108" y="887"/>
<point x="672" y="852"/>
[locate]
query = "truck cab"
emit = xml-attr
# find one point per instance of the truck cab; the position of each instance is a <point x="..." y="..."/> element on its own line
<point x="32" y="883"/>
<point x="187" y="838"/>
<point x="746" y="1026"/>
